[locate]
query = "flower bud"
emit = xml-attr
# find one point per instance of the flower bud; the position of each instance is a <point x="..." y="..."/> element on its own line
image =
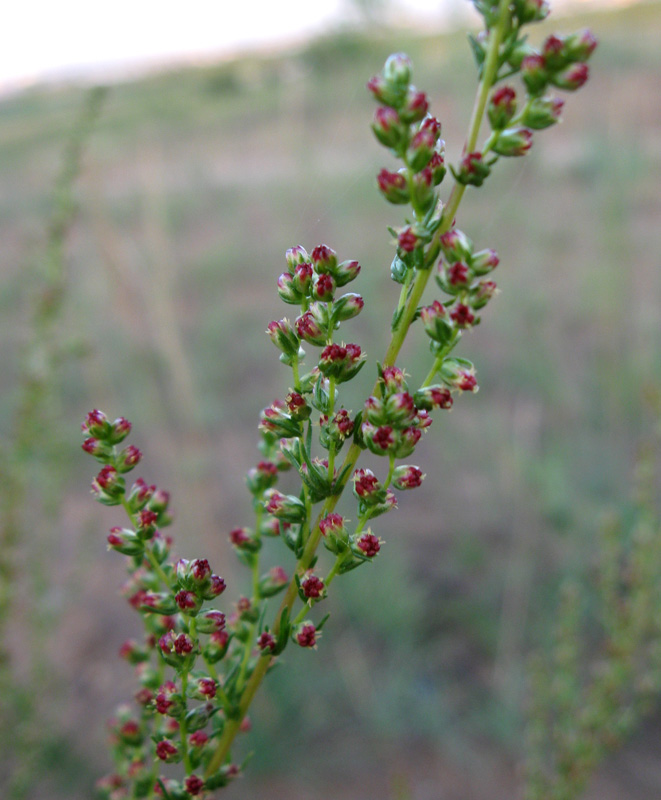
<point x="125" y="541"/>
<point x="96" y="425"/>
<point x="323" y="287"/>
<point x="436" y="322"/>
<point x="542" y="112"/>
<point x="119" y="430"/>
<point x="285" y="507"/>
<point x="346" y="272"/>
<point x="572" y="78"/>
<point x="266" y="642"/>
<point x="580" y="46"/>
<point x="284" y="337"/>
<point x="169" y="701"/>
<point x="302" y="278"/>
<point x="367" y="544"/>
<point x="367" y="488"/>
<point x="297" y="406"/>
<point x="312" y="588"/>
<point x="513" y="142"/>
<point x="473" y="170"/>
<point x="502" y="107"/>
<point x="421" y="148"/>
<point x="275" y="420"/>
<point x="437" y="164"/>
<point x="388" y="127"/>
<point x="399" y="409"/>
<point x="393" y="380"/>
<point x="273" y="582"/>
<point x="288" y="291"/>
<point x="178" y="650"/>
<point x="407" y="240"/>
<point x="554" y="53"/>
<point x="456" y="245"/>
<point x="383" y="92"/>
<point x="397" y="69"/>
<point x="534" y="74"/>
<point x="484" y="292"/>
<point x="132" y="652"/>
<point x="167" y="752"/>
<point x="309" y="329"/>
<point x="406" y="443"/>
<point x="211" y="622"/>
<point x="242" y="540"/>
<point x="462" y="316"/>
<point x="324" y="259"/>
<point x="531" y="10"/>
<point x="108" y="486"/>
<point x="484" y="261"/>
<point x="128" y="458"/>
<point x="393" y="186"/>
<point x="415" y="106"/>
<point x="97" y="448"/>
<point x="423" y="196"/>
<point x="407" y="477"/>
<point x="194" y="785"/>
<point x="457" y="275"/>
<point x="458" y="373"/>
<point x="261" y="477"/>
<point x="380" y="440"/>
<point x="139" y="495"/>
<point x="217" y="646"/>
<point x="341" y="362"/>
<point x="296" y="256"/>
<point x="433" y="397"/>
<point x="214" y="588"/>
<point x="336" y="430"/>
<point x="306" y="635"/>
<point x="347" y="306"/>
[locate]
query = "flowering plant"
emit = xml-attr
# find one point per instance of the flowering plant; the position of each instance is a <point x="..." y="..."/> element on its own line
<point x="199" y="666"/>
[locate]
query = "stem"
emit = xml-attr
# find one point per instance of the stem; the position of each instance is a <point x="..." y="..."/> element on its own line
<point x="182" y="725"/>
<point x="396" y="341"/>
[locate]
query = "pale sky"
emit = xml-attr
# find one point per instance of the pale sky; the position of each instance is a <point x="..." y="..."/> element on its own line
<point x="51" y="38"/>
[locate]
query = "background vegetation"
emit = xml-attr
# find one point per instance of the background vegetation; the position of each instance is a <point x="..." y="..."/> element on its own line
<point x="194" y="184"/>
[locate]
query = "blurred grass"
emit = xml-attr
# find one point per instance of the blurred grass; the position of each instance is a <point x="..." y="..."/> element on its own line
<point x="196" y="182"/>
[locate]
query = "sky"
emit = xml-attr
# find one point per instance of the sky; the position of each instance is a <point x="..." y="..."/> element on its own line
<point x="43" y="39"/>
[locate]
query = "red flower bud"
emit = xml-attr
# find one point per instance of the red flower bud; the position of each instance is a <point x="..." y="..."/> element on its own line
<point x="572" y="78"/>
<point x="433" y="397"/>
<point x="296" y="256"/>
<point x="96" y="425"/>
<point x="502" y="107"/>
<point x="266" y="642"/>
<point x="456" y="245"/>
<point x="407" y="477"/>
<point x="306" y="635"/>
<point x="513" y="142"/>
<point x="194" y="785"/>
<point x="313" y="587"/>
<point x="323" y="288"/>
<point x="473" y="170"/>
<point x="167" y="752"/>
<point x="368" y="544"/>
<point x="534" y="73"/>
<point x="288" y="291"/>
<point x="324" y="259"/>
<point x="393" y="186"/>
<point x="462" y="316"/>
<point x="388" y="127"/>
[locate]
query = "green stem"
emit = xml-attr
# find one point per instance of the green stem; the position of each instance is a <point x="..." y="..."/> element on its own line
<point x="396" y="341"/>
<point x="182" y="725"/>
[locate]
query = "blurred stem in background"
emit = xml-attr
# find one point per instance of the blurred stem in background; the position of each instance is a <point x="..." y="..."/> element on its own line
<point x="34" y="439"/>
<point x="592" y="690"/>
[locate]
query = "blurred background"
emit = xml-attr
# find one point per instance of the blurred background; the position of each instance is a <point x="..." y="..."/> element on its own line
<point x="143" y="287"/>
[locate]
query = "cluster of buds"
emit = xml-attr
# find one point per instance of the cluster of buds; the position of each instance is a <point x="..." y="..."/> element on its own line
<point x="199" y="666"/>
<point x="560" y="63"/>
<point x="181" y="631"/>
<point x="403" y="125"/>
